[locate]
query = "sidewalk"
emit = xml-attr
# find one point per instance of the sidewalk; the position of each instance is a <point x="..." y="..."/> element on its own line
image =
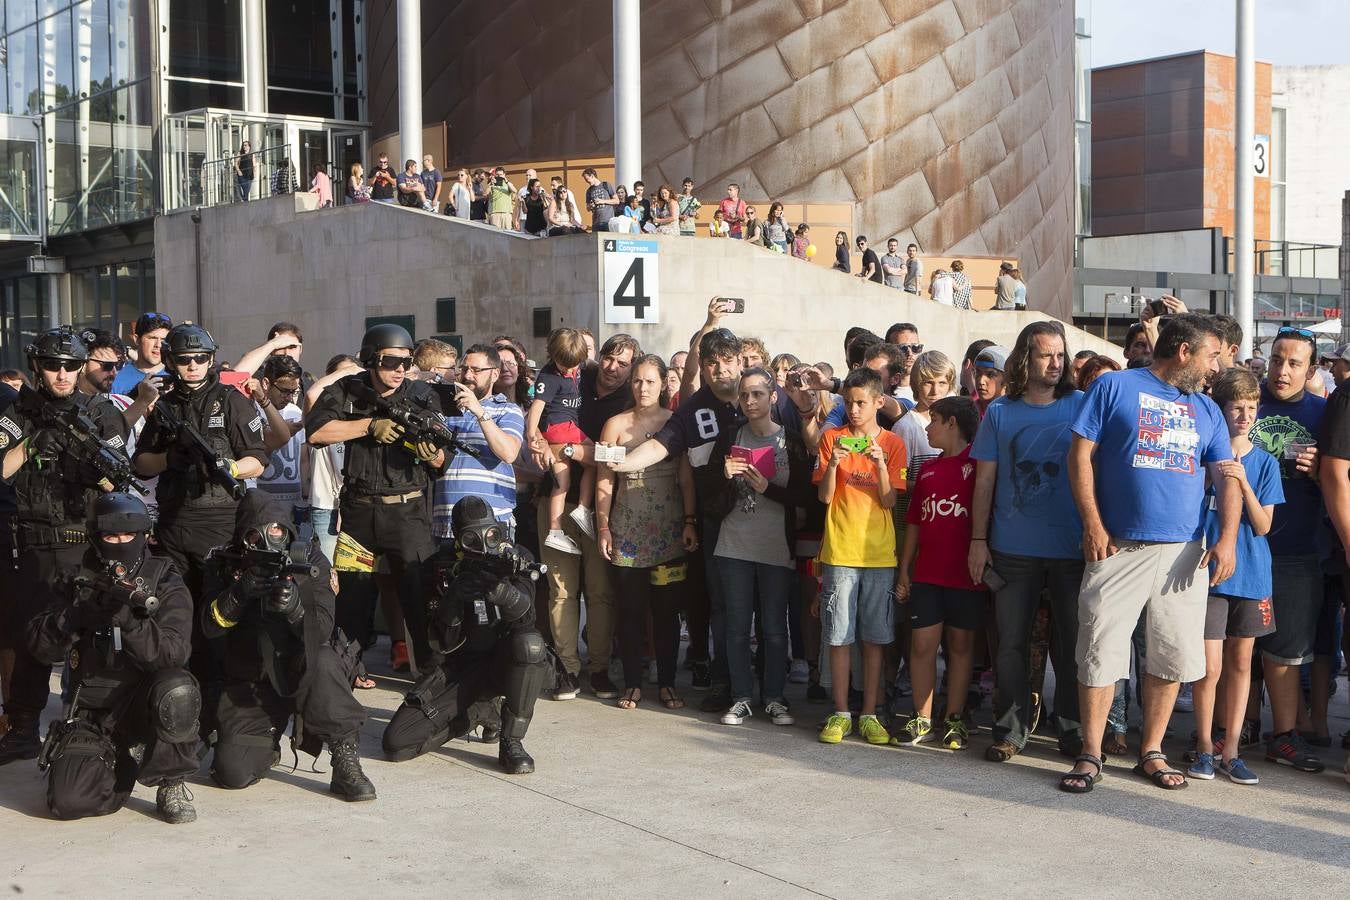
<point x="655" y="803"/>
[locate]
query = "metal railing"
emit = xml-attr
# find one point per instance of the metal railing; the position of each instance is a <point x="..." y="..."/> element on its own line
<point x="265" y="172"/>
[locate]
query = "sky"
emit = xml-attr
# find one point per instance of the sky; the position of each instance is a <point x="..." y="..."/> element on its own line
<point x="1288" y="32"/>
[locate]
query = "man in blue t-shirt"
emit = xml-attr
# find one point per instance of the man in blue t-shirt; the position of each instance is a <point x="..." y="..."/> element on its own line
<point x="1025" y="525"/>
<point x="1287" y="424"/>
<point x="1141" y="446"/>
<point x="147" y="334"/>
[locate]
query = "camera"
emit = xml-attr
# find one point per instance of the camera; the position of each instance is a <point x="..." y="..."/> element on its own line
<point x="794" y="379"/>
<point x="605" y="454"/>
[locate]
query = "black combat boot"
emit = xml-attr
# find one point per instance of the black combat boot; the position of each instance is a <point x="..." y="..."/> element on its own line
<point x="20" y="742"/>
<point x="513" y="759"/>
<point x="174" y="802"/>
<point x="349" y="782"/>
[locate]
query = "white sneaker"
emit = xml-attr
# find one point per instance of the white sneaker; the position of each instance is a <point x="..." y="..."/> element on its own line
<point x="799" y="672"/>
<point x="585" y="520"/>
<point x="739" y="712"/>
<point x="778" y="714"/>
<point x="1185" y="703"/>
<point x="557" y="540"/>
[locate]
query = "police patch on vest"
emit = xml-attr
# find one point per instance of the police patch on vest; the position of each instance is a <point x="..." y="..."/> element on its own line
<point x="215" y="407"/>
<point x="256" y="425"/>
<point x="215" y="422"/>
<point x="4" y="440"/>
<point x="115" y="441"/>
<point x="14" y="430"/>
<point x="74" y="659"/>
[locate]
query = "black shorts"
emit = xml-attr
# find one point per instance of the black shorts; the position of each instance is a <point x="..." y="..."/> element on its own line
<point x="930" y="604"/>
<point x="1227" y="617"/>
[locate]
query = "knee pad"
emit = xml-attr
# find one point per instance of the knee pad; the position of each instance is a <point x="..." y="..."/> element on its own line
<point x="176" y="705"/>
<point x="528" y="647"/>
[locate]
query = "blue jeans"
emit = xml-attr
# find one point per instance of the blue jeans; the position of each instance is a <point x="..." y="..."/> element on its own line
<point x="324" y="522"/>
<point x="742" y="583"/>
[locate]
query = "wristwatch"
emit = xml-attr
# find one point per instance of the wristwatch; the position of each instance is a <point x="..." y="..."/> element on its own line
<point x="569" y="451"/>
<point x="483" y="417"/>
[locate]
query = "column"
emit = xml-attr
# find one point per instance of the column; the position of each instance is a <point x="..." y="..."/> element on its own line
<point x="409" y="82"/>
<point x="1244" y="251"/>
<point x="255" y="57"/>
<point x="627" y="92"/>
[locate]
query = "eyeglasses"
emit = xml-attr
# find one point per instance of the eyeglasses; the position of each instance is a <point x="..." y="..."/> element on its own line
<point x="393" y="363"/>
<point x="60" y="365"/>
<point x="192" y="359"/>
<point x="104" y="365"/>
<point x="476" y="369"/>
<point x="912" y="349"/>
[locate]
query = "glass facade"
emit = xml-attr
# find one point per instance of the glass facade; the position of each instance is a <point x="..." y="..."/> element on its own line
<point x="112" y="297"/>
<point x="23" y="302"/>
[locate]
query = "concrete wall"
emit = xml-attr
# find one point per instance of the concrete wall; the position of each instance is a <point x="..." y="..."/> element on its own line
<point x="947" y="122"/>
<point x="328" y="270"/>
<point x="1317" y="131"/>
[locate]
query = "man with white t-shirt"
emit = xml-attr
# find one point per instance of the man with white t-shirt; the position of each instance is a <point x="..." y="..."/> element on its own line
<point x="326" y="463"/>
<point x="288" y="464"/>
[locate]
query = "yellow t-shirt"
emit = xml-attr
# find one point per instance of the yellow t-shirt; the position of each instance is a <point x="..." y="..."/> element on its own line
<point x="858" y="532"/>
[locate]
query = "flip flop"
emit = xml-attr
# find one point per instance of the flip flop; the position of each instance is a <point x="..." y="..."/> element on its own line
<point x="630" y="699"/>
<point x="363" y="683"/>
<point x="670" y="699"/>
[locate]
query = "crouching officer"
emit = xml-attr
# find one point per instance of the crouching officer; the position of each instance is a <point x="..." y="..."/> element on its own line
<point x="55" y="479"/>
<point x="271" y="601"/>
<point x="480" y="608"/>
<point x="125" y="628"/>
<point x="385" y="505"/>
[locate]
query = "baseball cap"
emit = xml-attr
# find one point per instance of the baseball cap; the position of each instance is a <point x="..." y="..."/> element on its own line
<point x="1341" y="353"/>
<point x="994" y="357"/>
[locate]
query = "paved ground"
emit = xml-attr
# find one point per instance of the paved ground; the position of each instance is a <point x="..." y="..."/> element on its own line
<point x="654" y="803"/>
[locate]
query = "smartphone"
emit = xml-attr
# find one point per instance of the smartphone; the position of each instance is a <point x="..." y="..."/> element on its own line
<point x="993" y="580"/>
<point x="737" y="304"/>
<point x="610" y="454"/>
<point x="857" y="444"/>
<point x="794" y="379"/>
<point x="1157" y="307"/>
<point x="235" y="380"/>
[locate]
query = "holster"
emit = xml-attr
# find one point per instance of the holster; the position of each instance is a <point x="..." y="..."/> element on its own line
<point x="425" y="691"/>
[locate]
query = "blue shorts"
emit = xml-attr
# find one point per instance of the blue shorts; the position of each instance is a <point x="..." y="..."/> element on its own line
<point x="856" y="604"/>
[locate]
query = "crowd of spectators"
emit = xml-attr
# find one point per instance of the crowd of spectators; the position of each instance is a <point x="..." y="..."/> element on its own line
<point x="916" y="539"/>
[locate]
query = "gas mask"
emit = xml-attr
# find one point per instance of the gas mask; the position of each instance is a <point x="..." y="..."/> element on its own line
<point x="271" y="536"/>
<point x="477" y="531"/>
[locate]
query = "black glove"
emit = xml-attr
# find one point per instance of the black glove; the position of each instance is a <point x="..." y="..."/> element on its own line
<point x="47" y="443"/>
<point x="231" y="604"/>
<point x="96" y="609"/>
<point x="283" y="599"/>
<point x="512" y="602"/>
<point x="474" y="584"/>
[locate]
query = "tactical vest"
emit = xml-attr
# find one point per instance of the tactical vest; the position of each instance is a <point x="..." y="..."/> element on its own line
<point x="190" y="487"/>
<point x="54" y="497"/>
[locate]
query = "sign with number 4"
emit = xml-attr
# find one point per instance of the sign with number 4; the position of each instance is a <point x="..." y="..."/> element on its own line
<point x="631" y="292"/>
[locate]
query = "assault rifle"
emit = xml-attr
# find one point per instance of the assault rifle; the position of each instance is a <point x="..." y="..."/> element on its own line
<point x="217" y="468"/>
<point x="83" y="442"/>
<point x="265" y="563"/>
<point x="131" y="592"/>
<point x="420" y="422"/>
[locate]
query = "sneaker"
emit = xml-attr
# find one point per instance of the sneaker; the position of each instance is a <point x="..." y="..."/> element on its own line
<point x="799" y="672"/>
<point x="1237" y="771"/>
<point x="1251" y="734"/>
<point x="1289" y="749"/>
<point x="567" y="688"/>
<point x="816" y="694"/>
<point x="778" y="714"/>
<point x="1318" y="740"/>
<point x="1184" y="703"/>
<point x="837" y="727"/>
<point x="702" y="679"/>
<point x="871" y="730"/>
<point x="584" y="519"/>
<point x="1203" y="767"/>
<point x="556" y="540"/>
<point x="602" y="686"/>
<point x="917" y="730"/>
<point x="739" y="712"/>
<point x="717" y="700"/>
<point x="956" y="735"/>
<point x="398" y="657"/>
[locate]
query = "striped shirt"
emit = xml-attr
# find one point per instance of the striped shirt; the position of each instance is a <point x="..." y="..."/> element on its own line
<point x="487" y="476"/>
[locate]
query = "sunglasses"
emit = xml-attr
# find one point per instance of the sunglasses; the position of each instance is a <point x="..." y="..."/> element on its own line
<point x="393" y="363"/>
<point x="913" y="349"/>
<point x="1300" y="332"/>
<point x="103" y="365"/>
<point x="192" y="359"/>
<point x="60" y="365"/>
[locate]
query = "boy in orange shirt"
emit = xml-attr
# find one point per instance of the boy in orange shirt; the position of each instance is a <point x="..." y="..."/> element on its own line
<point x="860" y="472"/>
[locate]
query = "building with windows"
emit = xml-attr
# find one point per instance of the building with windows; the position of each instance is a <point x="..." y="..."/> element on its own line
<point x="113" y="111"/>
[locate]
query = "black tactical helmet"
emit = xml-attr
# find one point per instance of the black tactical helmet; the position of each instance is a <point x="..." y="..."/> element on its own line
<point x="119" y="514"/>
<point x="189" y="339"/>
<point x="59" y="343"/>
<point x="383" y="337"/>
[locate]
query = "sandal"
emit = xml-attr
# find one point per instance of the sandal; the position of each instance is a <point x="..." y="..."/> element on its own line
<point x="670" y="699"/>
<point x="630" y="699"/>
<point x="1157" y="775"/>
<point x="1082" y="782"/>
<point x="1115" y="743"/>
<point x="363" y="682"/>
<point x="1001" y="751"/>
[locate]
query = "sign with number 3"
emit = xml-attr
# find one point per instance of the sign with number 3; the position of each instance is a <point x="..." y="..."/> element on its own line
<point x="631" y="288"/>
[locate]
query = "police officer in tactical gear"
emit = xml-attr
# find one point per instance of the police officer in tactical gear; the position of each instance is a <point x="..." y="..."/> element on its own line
<point x="202" y="439"/>
<point x="271" y="600"/>
<point x="54" y="484"/>
<point x="124" y="626"/>
<point x="385" y="505"/>
<point x="481" y="612"/>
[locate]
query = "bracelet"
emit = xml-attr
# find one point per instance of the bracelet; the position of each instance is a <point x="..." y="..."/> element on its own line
<point x="835" y="383"/>
<point x="981" y="540"/>
<point x="691" y="520"/>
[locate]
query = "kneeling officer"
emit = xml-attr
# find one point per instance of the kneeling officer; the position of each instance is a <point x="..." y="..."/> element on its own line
<point x="480" y="612"/>
<point x="125" y="626"/>
<point x="270" y="597"/>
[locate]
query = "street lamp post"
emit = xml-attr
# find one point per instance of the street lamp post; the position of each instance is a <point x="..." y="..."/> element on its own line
<point x="1244" y="262"/>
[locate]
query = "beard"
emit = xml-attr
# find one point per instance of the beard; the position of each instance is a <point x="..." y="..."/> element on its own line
<point x="1191" y="380"/>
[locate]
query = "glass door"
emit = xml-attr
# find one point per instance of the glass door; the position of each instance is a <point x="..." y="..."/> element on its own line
<point x="348" y="147"/>
<point x="21" y="212"/>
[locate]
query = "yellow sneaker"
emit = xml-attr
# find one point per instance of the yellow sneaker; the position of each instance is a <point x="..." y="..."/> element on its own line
<point x="872" y="731"/>
<point x="837" y="727"/>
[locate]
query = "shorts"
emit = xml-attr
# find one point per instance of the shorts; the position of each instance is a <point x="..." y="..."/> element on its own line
<point x="1238" y="617"/>
<point x="1163" y="580"/>
<point x="1297" y="601"/>
<point x="931" y="604"/>
<point x="855" y="604"/>
<point x="564" y="433"/>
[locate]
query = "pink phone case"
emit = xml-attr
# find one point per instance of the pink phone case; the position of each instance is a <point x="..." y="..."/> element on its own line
<point x="759" y="457"/>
